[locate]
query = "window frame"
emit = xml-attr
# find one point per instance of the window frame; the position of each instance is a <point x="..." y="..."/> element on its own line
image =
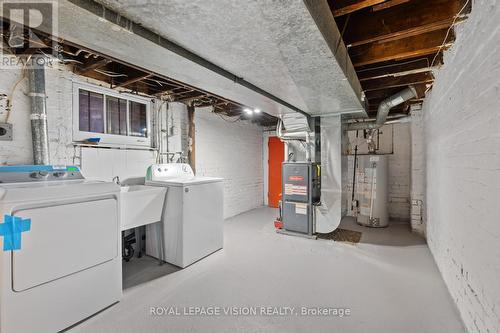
<point x="107" y="138"/>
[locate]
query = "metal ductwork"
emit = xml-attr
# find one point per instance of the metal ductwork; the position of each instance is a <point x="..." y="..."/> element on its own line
<point x="384" y="108"/>
<point x="38" y="116"/>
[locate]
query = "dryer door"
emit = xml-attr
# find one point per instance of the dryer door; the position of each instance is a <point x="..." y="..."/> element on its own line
<point x="65" y="237"/>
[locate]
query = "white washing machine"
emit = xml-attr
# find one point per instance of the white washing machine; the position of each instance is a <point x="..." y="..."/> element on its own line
<point x="192" y="217"/>
<point x="67" y="266"/>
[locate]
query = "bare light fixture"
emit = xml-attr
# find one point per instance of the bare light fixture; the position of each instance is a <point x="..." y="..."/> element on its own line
<point x="256" y="110"/>
<point x="248" y="111"/>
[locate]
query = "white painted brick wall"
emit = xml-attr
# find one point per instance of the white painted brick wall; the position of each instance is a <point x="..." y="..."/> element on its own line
<point x="399" y="171"/>
<point x="462" y="148"/>
<point x="232" y="151"/>
<point x="59" y="104"/>
<point x="59" y="90"/>
<point x="399" y="174"/>
<point x="229" y="150"/>
<point x="417" y="209"/>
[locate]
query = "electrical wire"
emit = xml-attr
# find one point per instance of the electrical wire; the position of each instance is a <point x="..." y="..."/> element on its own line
<point x="448" y="32"/>
<point x="392" y="65"/>
<point x="110" y="74"/>
<point x="10" y="103"/>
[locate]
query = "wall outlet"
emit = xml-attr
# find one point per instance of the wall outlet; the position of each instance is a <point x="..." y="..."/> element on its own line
<point x="6" y="132"/>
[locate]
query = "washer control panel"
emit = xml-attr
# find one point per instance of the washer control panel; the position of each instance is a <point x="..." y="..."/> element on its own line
<point x="161" y="172"/>
<point x="37" y="173"/>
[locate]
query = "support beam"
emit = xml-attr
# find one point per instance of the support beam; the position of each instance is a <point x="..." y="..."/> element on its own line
<point x="397" y="81"/>
<point x="411" y="47"/>
<point x="349" y="6"/>
<point x="191" y="138"/>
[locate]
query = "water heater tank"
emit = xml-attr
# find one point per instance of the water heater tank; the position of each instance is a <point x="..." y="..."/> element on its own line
<point x="372" y="191"/>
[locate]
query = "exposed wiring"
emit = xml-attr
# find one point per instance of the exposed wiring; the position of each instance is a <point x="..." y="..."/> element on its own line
<point x="158" y="134"/>
<point x="110" y="74"/>
<point x="392" y="65"/>
<point x="448" y="32"/>
<point x="10" y="103"/>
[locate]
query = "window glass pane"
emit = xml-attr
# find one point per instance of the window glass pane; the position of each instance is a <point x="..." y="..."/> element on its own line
<point x="83" y="110"/>
<point x="96" y="112"/>
<point x="91" y="113"/>
<point x="116" y="116"/>
<point x="138" y="119"/>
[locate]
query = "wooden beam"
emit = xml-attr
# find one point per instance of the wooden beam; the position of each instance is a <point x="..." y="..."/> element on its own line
<point x="410" y="47"/>
<point x="396" y="68"/>
<point x="414" y="31"/>
<point x="132" y="81"/>
<point x="397" y="81"/>
<point x="191" y="138"/>
<point x="92" y="65"/>
<point x="388" y="4"/>
<point x="410" y="19"/>
<point x="346" y="7"/>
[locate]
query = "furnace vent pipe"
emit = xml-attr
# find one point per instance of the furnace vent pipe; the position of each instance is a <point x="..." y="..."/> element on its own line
<point x="294" y="136"/>
<point x="383" y="109"/>
<point x="290" y="135"/>
<point x="38" y="116"/>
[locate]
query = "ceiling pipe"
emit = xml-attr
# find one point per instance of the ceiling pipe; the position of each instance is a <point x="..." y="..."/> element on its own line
<point x="383" y="109"/>
<point x="38" y="116"/>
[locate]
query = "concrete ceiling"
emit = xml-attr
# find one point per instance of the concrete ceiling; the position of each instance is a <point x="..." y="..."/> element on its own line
<point x="276" y="45"/>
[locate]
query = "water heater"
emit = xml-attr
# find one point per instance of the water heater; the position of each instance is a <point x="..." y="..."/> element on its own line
<point x="371" y="191"/>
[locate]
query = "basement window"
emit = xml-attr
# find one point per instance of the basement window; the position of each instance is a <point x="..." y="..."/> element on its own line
<point x="115" y="118"/>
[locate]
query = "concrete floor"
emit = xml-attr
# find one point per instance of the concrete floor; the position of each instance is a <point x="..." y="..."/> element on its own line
<point x="389" y="282"/>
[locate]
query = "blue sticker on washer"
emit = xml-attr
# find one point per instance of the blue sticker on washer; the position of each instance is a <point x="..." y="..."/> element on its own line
<point x="11" y="231"/>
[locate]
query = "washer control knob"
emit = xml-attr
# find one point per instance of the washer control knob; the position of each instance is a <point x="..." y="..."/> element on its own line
<point x="39" y="174"/>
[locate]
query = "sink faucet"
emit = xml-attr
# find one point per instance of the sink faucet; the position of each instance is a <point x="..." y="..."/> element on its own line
<point x="116" y="180"/>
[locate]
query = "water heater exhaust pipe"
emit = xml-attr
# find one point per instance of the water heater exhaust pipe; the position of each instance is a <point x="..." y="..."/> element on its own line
<point x="384" y="108"/>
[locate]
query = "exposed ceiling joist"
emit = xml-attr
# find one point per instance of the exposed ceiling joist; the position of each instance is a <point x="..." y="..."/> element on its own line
<point x="396" y="43"/>
<point x="343" y="7"/>
<point x="399" y="68"/>
<point x="410" y="47"/>
<point x="397" y="81"/>
<point x="409" y="19"/>
<point x="388" y="4"/>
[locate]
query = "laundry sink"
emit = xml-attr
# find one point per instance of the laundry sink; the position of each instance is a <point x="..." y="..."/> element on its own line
<point x="140" y="205"/>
